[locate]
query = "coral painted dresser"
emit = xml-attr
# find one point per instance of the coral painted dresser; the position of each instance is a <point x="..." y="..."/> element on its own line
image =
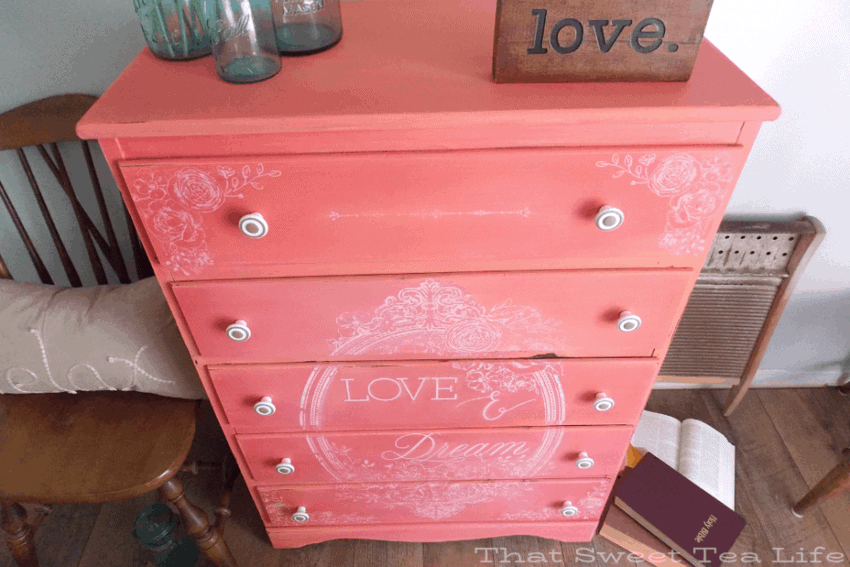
<point x="425" y="306"/>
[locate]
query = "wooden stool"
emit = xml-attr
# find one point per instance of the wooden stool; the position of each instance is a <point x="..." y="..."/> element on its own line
<point x="836" y="480"/>
<point x="97" y="447"/>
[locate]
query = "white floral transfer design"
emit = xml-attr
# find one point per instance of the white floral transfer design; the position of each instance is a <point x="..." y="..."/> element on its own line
<point x="487" y="377"/>
<point x="173" y="207"/>
<point x="282" y="514"/>
<point x="696" y="189"/>
<point x="589" y="508"/>
<point x="436" y="319"/>
<point x="439" y="318"/>
<point x="495" y="459"/>
<point x="433" y="501"/>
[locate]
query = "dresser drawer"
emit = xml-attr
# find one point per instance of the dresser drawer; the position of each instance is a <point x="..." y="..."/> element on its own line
<point x="487" y="393"/>
<point x="414" y="212"/>
<point x="411" y="502"/>
<point x="495" y="315"/>
<point x="425" y="454"/>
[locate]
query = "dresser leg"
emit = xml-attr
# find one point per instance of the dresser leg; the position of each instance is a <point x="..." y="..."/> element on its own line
<point x="209" y="540"/>
<point x="19" y="535"/>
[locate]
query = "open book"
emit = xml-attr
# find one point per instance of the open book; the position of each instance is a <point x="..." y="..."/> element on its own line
<point x="699" y="452"/>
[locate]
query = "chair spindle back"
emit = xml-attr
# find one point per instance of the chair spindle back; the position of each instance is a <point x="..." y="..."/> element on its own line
<point x="43" y="125"/>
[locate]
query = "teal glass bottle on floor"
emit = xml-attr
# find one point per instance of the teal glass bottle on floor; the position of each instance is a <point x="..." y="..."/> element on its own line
<point x="172" y="29"/>
<point x="156" y="528"/>
<point x="243" y="39"/>
<point x="307" y="26"/>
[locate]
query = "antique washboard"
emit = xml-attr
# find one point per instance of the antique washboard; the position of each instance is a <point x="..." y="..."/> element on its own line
<point x="741" y="292"/>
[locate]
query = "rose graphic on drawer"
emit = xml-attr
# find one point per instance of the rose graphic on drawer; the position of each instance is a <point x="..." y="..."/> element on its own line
<point x="696" y="190"/>
<point x="172" y="206"/>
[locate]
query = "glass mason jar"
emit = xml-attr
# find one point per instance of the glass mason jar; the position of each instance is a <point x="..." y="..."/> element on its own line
<point x="306" y="26"/>
<point x="242" y="36"/>
<point x="172" y="29"/>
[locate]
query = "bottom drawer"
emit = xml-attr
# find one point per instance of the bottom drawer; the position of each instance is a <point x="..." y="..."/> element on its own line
<point x="428" y="502"/>
<point x="575" y="531"/>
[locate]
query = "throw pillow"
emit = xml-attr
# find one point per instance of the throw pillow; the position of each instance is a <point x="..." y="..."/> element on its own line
<point x="55" y="339"/>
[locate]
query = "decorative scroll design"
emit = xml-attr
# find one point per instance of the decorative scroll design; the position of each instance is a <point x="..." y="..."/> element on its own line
<point x="439" y="319"/>
<point x="432" y="214"/>
<point x="433" y="501"/>
<point x="425" y="456"/>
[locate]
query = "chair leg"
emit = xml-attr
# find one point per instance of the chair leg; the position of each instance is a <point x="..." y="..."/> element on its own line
<point x="209" y="539"/>
<point x="19" y="535"/>
<point x="835" y="481"/>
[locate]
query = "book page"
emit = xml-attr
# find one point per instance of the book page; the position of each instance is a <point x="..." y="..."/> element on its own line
<point x="708" y="460"/>
<point x="659" y="434"/>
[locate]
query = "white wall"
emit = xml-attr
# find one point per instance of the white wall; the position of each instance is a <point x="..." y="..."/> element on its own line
<point x="52" y="47"/>
<point x="798" y="52"/>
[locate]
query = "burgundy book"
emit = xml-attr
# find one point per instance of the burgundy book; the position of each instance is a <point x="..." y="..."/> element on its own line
<point x="678" y="512"/>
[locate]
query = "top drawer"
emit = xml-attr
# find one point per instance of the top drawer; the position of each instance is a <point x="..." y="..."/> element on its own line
<point x="414" y="212"/>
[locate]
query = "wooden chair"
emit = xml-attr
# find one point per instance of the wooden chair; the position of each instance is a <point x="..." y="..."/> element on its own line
<point x="89" y="447"/>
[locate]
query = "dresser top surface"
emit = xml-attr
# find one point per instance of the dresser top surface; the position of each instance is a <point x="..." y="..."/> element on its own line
<point x="404" y="65"/>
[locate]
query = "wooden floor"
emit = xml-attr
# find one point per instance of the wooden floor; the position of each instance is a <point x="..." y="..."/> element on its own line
<point x="786" y="440"/>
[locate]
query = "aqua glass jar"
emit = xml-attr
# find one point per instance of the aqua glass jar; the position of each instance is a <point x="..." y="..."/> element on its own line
<point x="172" y="29"/>
<point x="306" y="26"/>
<point x="242" y="36"/>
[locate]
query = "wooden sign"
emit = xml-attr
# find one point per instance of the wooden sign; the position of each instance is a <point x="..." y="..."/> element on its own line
<point x="539" y="41"/>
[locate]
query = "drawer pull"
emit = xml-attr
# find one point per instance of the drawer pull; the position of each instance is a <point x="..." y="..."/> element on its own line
<point x="584" y="462"/>
<point x="301" y="515"/>
<point x="568" y="509"/>
<point x="285" y="467"/>
<point x="628" y="322"/>
<point x="602" y="403"/>
<point x="609" y="218"/>
<point x="265" y="406"/>
<point x="239" y="331"/>
<point x="254" y="225"/>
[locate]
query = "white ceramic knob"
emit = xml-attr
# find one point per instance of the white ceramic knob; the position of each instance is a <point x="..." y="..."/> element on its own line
<point x="239" y="331"/>
<point x="609" y="218"/>
<point x="584" y="462"/>
<point x="569" y="509"/>
<point x="285" y="467"/>
<point x="265" y="406"/>
<point x="254" y="225"/>
<point x="603" y="402"/>
<point x="628" y="322"/>
<point x="300" y="515"/>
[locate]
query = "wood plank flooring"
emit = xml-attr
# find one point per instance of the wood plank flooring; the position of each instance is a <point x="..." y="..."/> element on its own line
<point x="786" y="440"/>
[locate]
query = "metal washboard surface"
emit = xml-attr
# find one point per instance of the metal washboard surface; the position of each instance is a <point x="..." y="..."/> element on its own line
<point x="738" y="291"/>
